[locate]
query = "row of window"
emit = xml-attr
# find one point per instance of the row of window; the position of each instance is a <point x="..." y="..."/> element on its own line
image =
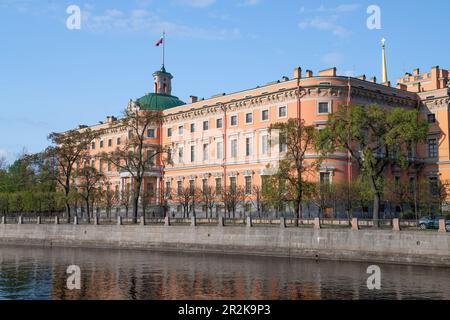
<point x="282" y="113"/>
<point x="265" y="145"/>
<point x="325" y="177"/>
<point x="102" y="144"/>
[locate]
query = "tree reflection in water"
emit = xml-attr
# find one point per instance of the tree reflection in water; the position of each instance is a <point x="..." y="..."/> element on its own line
<point x="34" y="273"/>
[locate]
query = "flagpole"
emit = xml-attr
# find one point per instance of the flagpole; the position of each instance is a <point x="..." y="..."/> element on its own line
<point x="164" y="47"/>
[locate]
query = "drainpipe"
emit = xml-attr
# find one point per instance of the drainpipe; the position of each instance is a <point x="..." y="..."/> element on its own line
<point x="225" y="142"/>
<point x="349" y="156"/>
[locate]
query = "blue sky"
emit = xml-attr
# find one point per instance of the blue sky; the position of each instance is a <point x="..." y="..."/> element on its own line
<point x="52" y="78"/>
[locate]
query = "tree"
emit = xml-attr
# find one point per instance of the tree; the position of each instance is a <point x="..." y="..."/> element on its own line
<point x="208" y="196"/>
<point x="88" y="184"/>
<point x="109" y="198"/>
<point x="232" y="198"/>
<point x="257" y="199"/>
<point x="183" y="198"/>
<point x="135" y="156"/>
<point x="68" y="148"/>
<point x="375" y="138"/>
<point x="295" y="167"/>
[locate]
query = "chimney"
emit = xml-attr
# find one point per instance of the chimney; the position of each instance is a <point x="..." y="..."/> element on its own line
<point x="110" y="119"/>
<point x="328" y="72"/>
<point x="309" y="74"/>
<point x="402" y="86"/>
<point x="193" y="99"/>
<point x="362" y="77"/>
<point x="416" y="72"/>
<point x="298" y="73"/>
<point x="386" y="84"/>
<point x="284" y="79"/>
<point x="373" y="79"/>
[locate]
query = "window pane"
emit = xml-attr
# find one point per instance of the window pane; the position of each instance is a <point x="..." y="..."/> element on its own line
<point x="323" y="107"/>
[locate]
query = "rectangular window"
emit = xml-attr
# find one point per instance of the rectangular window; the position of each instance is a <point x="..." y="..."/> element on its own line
<point x="265" y="115"/>
<point x="151" y="157"/>
<point x="205" y="125"/>
<point x="168" y="190"/>
<point x="219" y="148"/>
<point x="248" y="147"/>
<point x="192" y="153"/>
<point x="109" y="166"/>
<point x="282" y="144"/>
<point x="180" y="155"/>
<point x="205" y="152"/>
<point x="248" y="185"/>
<point x="265" y="145"/>
<point x="180" y="130"/>
<point x="130" y="134"/>
<point x="100" y="166"/>
<point x="431" y="118"/>
<point x="233" y="186"/>
<point x="432" y="148"/>
<point x="249" y="118"/>
<point x="219" y="123"/>
<point x="325" y="177"/>
<point x="169" y="155"/>
<point x="151" y="133"/>
<point x="204" y="185"/>
<point x="169" y="132"/>
<point x="101" y="144"/>
<point x="433" y="185"/>
<point x="323" y="108"/>
<point x="192" y="127"/>
<point x="93" y="145"/>
<point x="118" y="141"/>
<point x="110" y="143"/>
<point x="233" y="121"/>
<point x="282" y="112"/>
<point x="179" y="188"/>
<point x="192" y="187"/>
<point x="218" y="186"/>
<point x="234" y="148"/>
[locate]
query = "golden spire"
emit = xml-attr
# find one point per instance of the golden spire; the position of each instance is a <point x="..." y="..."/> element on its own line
<point x="384" y="76"/>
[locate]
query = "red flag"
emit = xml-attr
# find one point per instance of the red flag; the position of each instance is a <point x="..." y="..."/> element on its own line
<point x="160" y="42"/>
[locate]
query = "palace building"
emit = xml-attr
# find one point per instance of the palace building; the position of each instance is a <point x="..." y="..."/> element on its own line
<point x="224" y="140"/>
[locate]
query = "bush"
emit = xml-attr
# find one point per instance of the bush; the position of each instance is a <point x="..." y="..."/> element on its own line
<point x="408" y="215"/>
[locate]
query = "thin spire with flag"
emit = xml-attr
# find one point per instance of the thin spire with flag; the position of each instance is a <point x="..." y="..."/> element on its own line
<point x="162" y="42"/>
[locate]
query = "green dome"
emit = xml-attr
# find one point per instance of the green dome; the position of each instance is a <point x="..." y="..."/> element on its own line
<point x="153" y="101"/>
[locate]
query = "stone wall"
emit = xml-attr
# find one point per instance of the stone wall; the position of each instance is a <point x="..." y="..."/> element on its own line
<point x="379" y="246"/>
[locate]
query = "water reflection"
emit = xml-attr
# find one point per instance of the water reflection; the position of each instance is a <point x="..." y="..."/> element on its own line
<point x="139" y="275"/>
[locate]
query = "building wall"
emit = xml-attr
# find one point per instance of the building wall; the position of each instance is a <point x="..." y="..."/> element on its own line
<point x="296" y="98"/>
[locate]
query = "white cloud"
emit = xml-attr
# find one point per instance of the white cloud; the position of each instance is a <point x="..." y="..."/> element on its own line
<point x="196" y="3"/>
<point x="329" y="24"/>
<point x="143" y="20"/>
<point x="347" y="7"/>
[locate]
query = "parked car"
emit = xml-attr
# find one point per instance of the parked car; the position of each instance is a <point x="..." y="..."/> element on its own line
<point x="432" y="223"/>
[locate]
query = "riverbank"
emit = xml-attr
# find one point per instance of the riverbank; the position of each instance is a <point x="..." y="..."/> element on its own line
<point x="377" y="246"/>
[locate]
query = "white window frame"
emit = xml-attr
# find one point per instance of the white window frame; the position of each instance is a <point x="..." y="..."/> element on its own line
<point x="231" y="148"/>
<point x="237" y="120"/>
<point x="330" y="105"/>
<point x="268" y="115"/>
<point x="247" y="113"/>
<point x="181" y="132"/>
<point x="262" y="144"/>
<point x="278" y="112"/>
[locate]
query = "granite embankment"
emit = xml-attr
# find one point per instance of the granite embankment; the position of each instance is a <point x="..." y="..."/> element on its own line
<point x="381" y="246"/>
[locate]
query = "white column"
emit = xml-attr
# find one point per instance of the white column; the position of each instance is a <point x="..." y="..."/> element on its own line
<point x="158" y="190"/>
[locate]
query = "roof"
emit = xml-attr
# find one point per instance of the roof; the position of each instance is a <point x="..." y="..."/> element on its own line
<point x="158" y="101"/>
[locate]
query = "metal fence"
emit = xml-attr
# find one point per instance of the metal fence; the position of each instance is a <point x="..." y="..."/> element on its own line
<point x="325" y="223"/>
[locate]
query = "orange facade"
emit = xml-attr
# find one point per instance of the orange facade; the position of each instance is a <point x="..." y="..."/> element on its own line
<point x="225" y="139"/>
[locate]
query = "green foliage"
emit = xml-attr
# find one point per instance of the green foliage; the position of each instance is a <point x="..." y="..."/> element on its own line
<point x="376" y="138"/>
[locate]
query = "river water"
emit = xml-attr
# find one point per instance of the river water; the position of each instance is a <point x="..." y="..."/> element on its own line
<point x="35" y="273"/>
